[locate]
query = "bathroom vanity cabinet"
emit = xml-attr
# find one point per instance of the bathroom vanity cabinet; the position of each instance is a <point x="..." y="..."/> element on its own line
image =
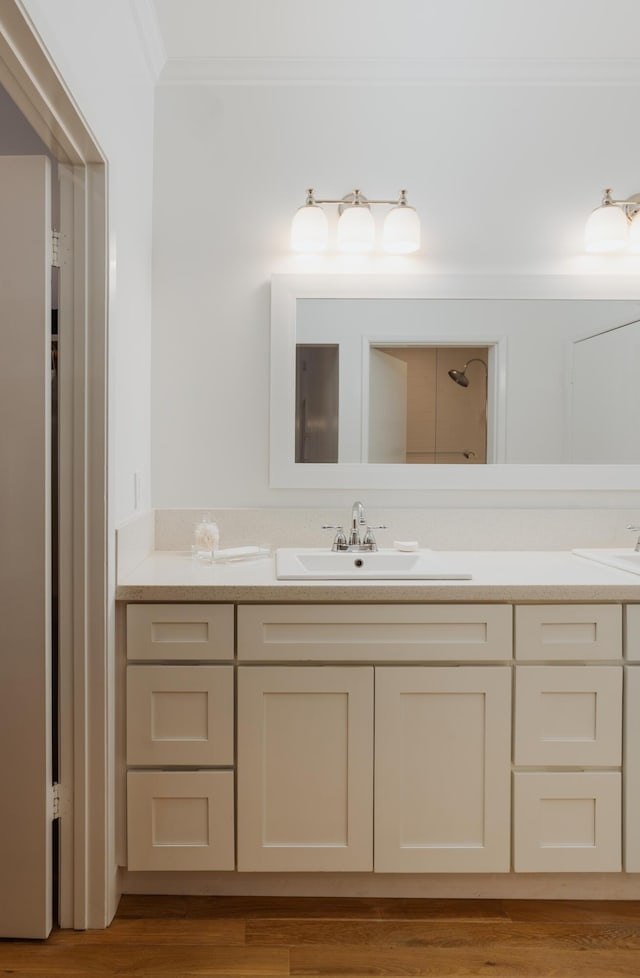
<point x="386" y="738"/>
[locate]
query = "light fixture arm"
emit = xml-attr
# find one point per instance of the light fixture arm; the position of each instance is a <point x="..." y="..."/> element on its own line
<point x="476" y="360"/>
<point x="630" y="205"/>
<point x="356" y="198"/>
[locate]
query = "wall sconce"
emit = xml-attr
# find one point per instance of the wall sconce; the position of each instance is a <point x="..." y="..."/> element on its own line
<point x="356" y="227"/>
<point x="612" y="227"/>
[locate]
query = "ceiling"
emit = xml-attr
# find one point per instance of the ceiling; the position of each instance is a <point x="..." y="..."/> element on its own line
<point x="379" y="30"/>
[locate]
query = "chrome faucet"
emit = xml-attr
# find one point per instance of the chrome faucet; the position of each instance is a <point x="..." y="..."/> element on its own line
<point x="632" y="526"/>
<point x="360" y="538"/>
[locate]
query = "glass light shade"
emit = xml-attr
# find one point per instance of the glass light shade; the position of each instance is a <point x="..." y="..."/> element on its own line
<point x="606" y="230"/>
<point x="401" y="234"/>
<point x="309" y="229"/>
<point x="356" y="230"/>
<point x="634" y="236"/>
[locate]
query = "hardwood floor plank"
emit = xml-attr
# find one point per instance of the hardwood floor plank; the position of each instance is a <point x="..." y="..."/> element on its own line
<point x="149" y="930"/>
<point x="141" y="960"/>
<point x="600" y="911"/>
<point x="136" y="905"/>
<point x="277" y="907"/>
<point x="424" y="909"/>
<point x="476" y="963"/>
<point x="443" y="935"/>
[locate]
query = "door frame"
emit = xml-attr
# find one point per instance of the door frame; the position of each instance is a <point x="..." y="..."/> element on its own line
<point x="88" y="875"/>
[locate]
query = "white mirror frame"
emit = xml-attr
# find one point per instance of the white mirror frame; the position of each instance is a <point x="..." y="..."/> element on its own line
<point x="285" y="473"/>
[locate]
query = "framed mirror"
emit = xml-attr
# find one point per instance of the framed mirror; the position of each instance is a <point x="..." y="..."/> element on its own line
<point x="417" y="382"/>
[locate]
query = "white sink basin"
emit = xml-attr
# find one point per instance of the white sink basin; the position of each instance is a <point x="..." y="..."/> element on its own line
<point x="623" y="559"/>
<point x="293" y="564"/>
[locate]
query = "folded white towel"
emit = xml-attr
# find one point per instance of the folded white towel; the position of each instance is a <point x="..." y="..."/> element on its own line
<point x="241" y="553"/>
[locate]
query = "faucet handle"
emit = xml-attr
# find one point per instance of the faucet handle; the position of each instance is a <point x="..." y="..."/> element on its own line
<point x="368" y="539"/>
<point x="340" y="540"/>
<point x="634" y="526"/>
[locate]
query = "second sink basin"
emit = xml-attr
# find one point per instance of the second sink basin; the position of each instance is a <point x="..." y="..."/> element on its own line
<point x="621" y="559"/>
<point x="293" y="564"/>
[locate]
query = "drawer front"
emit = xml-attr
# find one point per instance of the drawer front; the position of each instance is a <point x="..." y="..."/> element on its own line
<point x="566" y="632"/>
<point x="567" y="822"/>
<point x="180" y="820"/>
<point x="568" y="715"/>
<point x="632" y="632"/>
<point x="180" y="631"/>
<point x="374" y="633"/>
<point x="180" y="715"/>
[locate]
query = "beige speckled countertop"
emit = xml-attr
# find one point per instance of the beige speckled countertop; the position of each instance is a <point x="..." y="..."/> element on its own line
<point x="496" y="576"/>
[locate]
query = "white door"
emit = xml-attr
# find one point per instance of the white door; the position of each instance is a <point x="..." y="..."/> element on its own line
<point x="25" y="547"/>
<point x="387" y="420"/>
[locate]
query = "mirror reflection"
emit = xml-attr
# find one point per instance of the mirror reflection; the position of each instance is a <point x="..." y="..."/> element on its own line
<point x="425" y="405"/>
<point x="466" y="382"/>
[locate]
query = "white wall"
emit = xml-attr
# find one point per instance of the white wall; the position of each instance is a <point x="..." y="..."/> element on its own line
<point x="98" y="51"/>
<point x="503" y="176"/>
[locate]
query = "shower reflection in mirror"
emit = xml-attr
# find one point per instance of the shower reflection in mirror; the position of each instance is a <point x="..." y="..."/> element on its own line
<point x="409" y="411"/>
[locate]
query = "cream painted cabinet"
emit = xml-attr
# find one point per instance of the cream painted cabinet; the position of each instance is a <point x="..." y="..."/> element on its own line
<point x="443" y="769"/>
<point x="360" y="738"/>
<point x="180" y="737"/>
<point x="567" y="814"/>
<point x="305" y="768"/>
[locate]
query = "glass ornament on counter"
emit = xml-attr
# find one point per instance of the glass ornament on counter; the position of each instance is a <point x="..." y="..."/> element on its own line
<point x="207" y="540"/>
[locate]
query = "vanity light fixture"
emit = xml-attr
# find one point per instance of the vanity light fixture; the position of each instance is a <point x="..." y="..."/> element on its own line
<point x="613" y="227"/>
<point x="356" y="227"/>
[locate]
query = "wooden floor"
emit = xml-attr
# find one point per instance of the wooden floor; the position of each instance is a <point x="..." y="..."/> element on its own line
<point x="167" y="937"/>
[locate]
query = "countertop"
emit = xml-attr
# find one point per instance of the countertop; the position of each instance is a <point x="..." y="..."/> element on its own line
<point x="550" y="576"/>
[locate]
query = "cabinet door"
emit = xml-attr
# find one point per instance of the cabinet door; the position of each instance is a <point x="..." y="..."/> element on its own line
<point x="632" y="770"/>
<point x="305" y="768"/>
<point x="443" y="753"/>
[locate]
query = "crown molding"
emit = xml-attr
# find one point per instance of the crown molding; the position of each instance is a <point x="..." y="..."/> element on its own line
<point x="151" y="42"/>
<point x="403" y="71"/>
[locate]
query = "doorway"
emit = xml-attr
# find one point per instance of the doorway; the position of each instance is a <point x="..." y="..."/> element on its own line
<point x="34" y="87"/>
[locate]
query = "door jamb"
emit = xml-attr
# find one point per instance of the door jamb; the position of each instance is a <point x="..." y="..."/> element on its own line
<point x="88" y="888"/>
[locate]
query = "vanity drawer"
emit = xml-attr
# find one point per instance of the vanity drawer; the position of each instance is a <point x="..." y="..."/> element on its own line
<point x="570" y="631"/>
<point x="180" y="820"/>
<point x="568" y="715"/>
<point x="180" y="631"/>
<point x="374" y="632"/>
<point x="567" y="822"/>
<point x="632" y="632"/>
<point x="180" y="715"/>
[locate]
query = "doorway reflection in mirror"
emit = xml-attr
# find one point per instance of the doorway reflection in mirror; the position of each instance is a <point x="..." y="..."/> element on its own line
<point x="412" y="413"/>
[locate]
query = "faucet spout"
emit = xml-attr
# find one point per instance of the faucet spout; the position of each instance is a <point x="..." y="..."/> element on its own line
<point x="357" y="520"/>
